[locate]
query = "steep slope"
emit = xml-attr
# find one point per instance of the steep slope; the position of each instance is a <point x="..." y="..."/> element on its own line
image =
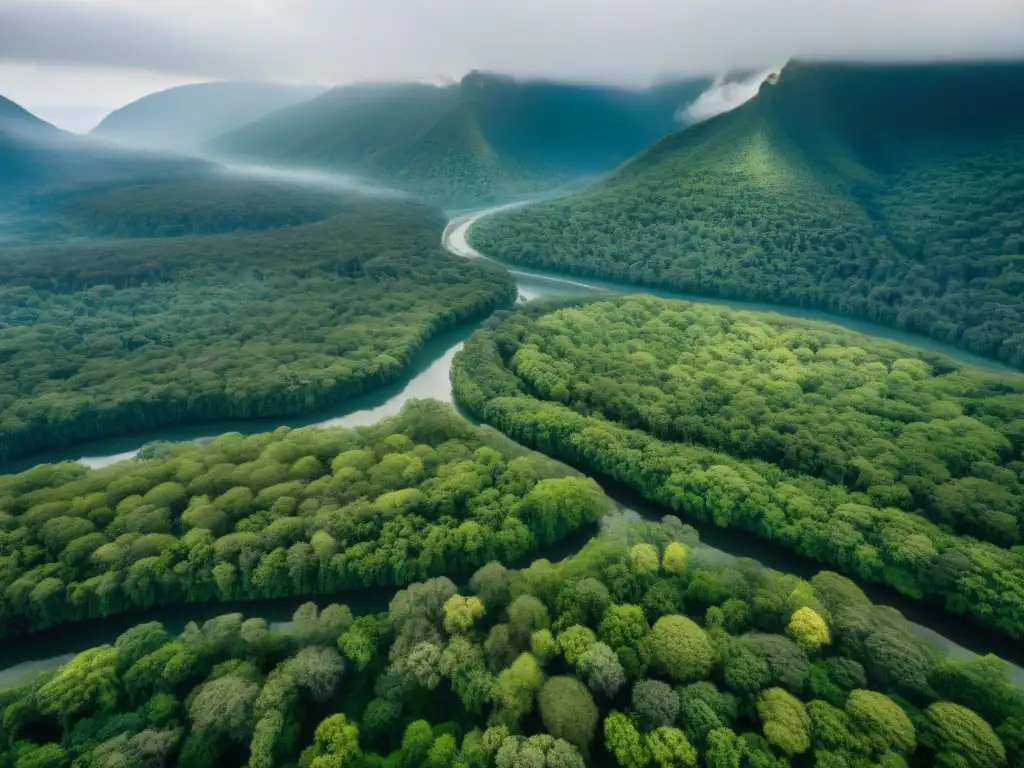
<point x="346" y="128"/>
<point x="188" y="116"/>
<point x="488" y="138"/>
<point x="892" y="193"/>
<point x="20" y="132"/>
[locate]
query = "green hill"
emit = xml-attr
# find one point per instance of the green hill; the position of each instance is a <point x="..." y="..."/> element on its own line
<point x="488" y="138"/>
<point x="892" y="193"/>
<point x="200" y="201"/>
<point x="188" y="116"/>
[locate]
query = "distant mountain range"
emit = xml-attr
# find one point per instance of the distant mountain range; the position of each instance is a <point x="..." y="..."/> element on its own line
<point x="893" y="193"/>
<point x="485" y="139"/>
<point x="189" y="116"/>
<point x="40" y="163"/>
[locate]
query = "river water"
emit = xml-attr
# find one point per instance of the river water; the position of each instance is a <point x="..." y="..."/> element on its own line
<point x="429" y="377"/>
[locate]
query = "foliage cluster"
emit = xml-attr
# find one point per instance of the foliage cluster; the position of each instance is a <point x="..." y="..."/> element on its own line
<point x="191" y="204"/>
<point x="293" y="512"/>
<point x="103" y="338"/>
<point x="601" y="659"/>
<point x="827" y="442"/>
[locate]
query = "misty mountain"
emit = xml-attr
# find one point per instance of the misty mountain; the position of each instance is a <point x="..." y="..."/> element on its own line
<point x="23" y="137"/>
<point x="188" y="116"/>
<point x="42" y="167"/>
<point x="487" y="138"/>
<point x="893" y="193"/>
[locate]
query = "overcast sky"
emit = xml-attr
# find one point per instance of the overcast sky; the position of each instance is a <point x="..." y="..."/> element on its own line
<point x="104" y="53"/>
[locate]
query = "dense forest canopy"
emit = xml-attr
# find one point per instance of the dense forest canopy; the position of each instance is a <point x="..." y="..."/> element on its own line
<point x="293" y="512"/>
<point x="196" y="203"/>
<point x="895" y="465"/>
<point x="105" y="337"/>
<point x="645" y="650"/>
<point x="889" y="193"/>
<point x="486" y="139"/>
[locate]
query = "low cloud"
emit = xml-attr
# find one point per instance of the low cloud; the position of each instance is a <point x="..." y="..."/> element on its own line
<point x="331" y="41"/>
<point x="724" y="94"/>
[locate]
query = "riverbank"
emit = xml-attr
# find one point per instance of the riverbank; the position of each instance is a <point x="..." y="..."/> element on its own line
<point x="428" y="377"/>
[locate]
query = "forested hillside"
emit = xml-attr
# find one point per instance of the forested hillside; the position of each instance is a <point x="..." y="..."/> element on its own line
<point x="889" y="193"/>
<point x="201" y="202"/>
<point x="644" y="650"/>
<point x="293" y="512"/>
<point x="893" y="464"/>
<point x="486" y="139"/>
<point x="105" y="337"/>
<point x="189" y="116"/>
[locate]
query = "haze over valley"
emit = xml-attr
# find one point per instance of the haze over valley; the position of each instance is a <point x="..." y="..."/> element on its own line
<point x="513" y="385"/>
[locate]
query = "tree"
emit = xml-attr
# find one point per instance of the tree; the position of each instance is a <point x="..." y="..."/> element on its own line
<point x="724" y="750"/>
<point x="138" y="641"/>
<point x="416" y="743"/>
<point x="492" y="585"/>
<point x="582" y="602"/>
<point x="225" y="706"/>
<point x="422" y="666"/>
<point x="541" y="751"/>
<point x="786" y="722"/>
<point x="644" y="559"/>
<point x="568" y="711"/>
<point x="86" y="683"/>
<point x="896" y="658"/>
<point x="655" y="704"/>
<point x="574" y="642"/>
<point x="516" y="686"/>
<point x="808" y="630"/>
<point x="880" y="722"/>
<point x="499" y="648"/>
<point x="28" y="755"/>
<point x="543" y="645"/>
<point x="318" y="670"/>
<point x="756" y="661"/>
<point x="680" y="649"/>
<point x="379" y="718"/>
<point x="526" y="615"/>
<point x="461" y="612"/>
<point x="416" y="613"/>
<point x="624" y="626"/>
<point x="674" y="558"/>
<point x="622" y="739"/>
<point x="602" y="669"/>
<point x="669" y="748"/>
<point x="336" y="743"/>
<point x="703" y="709"/>
<point x="960" y="737"/>
<point x="831" y="727"/>
<point x="443" y="752"/>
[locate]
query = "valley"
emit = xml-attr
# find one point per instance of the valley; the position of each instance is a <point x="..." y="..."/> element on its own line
<point x="668" y="445"/>
<point x="430" y="379"/>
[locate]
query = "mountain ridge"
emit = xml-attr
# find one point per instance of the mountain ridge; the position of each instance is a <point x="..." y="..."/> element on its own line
<point x="188" y="116"/>
<point x="883" y="192"/>
<point x="482" y="140"/>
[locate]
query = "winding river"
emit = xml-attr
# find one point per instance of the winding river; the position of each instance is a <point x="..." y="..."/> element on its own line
<point x="428" y="377"/>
